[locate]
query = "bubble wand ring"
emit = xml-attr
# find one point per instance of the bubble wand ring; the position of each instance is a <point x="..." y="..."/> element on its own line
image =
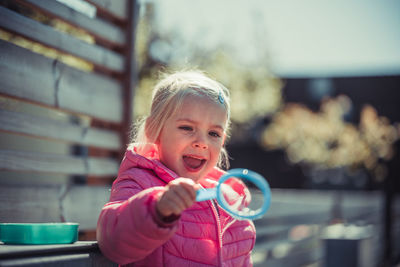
<point x="217" y="192"/>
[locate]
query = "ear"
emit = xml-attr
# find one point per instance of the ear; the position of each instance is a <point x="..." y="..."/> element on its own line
<point x="147" y="130"/>
<point x="223" y="139"/>
<point x="157" y="141"/>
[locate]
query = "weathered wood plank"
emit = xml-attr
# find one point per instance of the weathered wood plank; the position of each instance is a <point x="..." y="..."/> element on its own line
<point x="115" y="8"/>
<point x="24" y="204"/>
<point x="27" y="161"/>
<point x="19" y="78"/>
<point x="46" y="35"/>
<point x="91" y="200"/>
<point x="101" y="166"/>
<point x="77" y="260"/>
<point x="36" y="204"/>
<point x="21" y="123"/>
<point x="96" y="92"/>
<point x="101" y="29"/>
<point x="27" y="75"/>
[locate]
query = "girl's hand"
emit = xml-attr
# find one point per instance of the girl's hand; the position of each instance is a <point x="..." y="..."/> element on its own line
<point x="179" y="195"/>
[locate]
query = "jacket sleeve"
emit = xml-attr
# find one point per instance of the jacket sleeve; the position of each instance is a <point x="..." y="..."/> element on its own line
<point x="128" y="230"/>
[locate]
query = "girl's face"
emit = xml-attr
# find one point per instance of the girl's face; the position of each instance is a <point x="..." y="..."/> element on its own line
<point x="191" y="140"/>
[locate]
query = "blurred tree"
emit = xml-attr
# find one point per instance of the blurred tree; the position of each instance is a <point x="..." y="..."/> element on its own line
<point x="325" y="140"/>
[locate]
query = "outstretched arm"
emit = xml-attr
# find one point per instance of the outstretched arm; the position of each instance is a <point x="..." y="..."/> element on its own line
<point x="128" y="230"/>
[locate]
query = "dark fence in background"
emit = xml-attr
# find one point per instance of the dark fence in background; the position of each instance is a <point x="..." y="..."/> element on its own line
<point x="324" y="228"/>
<point x="66" y="87"/>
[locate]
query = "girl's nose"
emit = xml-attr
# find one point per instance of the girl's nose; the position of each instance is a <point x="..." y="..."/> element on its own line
<point x="200" y="145"/>
<point x="200" y="142"/>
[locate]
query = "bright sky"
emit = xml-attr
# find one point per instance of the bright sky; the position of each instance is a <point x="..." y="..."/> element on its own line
<point x="301" y="38"/>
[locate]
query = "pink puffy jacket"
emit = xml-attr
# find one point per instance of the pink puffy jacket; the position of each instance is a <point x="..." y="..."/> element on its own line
<point x="129" y="233"/>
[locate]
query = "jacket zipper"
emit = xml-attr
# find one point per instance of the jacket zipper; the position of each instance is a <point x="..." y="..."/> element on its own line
<point x="219" y="231"/>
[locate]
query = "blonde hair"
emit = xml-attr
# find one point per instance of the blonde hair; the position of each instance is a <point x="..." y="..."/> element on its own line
<point x="168" y="96"/>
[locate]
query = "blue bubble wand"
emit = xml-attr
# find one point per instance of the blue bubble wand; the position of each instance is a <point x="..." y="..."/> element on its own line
<point x="257" y="191"/>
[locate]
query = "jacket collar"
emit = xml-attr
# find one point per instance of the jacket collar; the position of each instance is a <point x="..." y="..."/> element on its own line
<point x="147" y="157"/>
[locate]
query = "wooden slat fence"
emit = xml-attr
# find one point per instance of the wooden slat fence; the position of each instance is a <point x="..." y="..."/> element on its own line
<point x="115" y="10"/>
<point x="48" y="100"/>
<point x="105" y="33"/>
<point x="57" y="85"/>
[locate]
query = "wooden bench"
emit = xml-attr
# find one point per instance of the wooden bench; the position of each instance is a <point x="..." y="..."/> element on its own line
<point x="81" y="253"/>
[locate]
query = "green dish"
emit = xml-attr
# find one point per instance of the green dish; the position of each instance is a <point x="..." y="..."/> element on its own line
<point x="38" y="233"/>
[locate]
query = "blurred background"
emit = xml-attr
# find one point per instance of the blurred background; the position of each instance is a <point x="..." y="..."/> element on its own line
<point x="313" y="85"/>
<point x="315" y="104"/>
<point x="315" y="93"/>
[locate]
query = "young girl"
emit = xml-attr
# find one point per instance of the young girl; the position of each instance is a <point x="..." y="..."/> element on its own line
<point x="152" y="218"/>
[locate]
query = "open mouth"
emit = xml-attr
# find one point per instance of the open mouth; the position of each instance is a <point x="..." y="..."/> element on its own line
<point x="193" y="163"/>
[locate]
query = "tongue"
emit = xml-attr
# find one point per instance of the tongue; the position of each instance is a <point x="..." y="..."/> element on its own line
<point x="192" y="162"/>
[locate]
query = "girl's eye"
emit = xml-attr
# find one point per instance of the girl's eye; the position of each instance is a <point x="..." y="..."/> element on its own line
<point x="214" y="134"/>
<point x="185" y="128"/>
